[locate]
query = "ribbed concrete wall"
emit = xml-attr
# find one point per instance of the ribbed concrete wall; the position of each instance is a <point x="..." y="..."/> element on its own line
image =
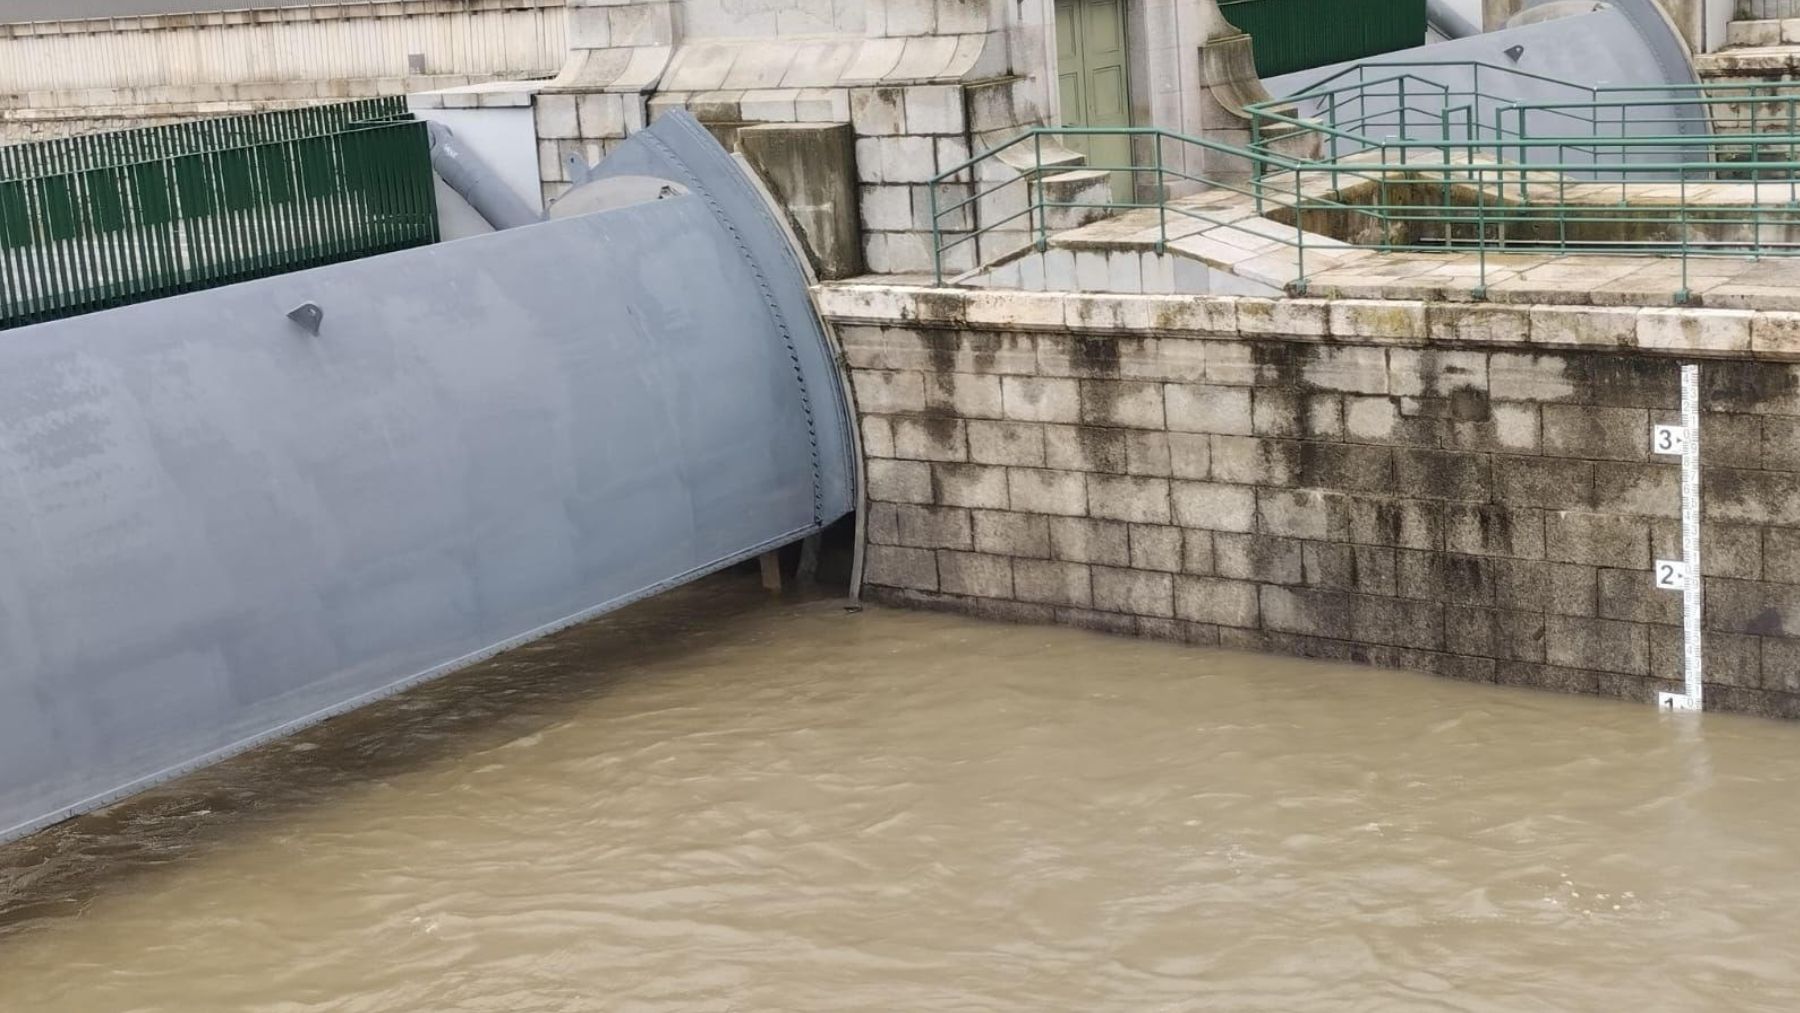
<point x="328" y="42"/>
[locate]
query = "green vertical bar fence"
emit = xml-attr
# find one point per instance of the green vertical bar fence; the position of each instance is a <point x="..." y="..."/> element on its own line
<point x="92" y="222"/>
<point x="1293" y="35"/>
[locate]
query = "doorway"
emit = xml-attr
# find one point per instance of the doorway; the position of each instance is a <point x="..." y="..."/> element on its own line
<point x="1094" y="82"/>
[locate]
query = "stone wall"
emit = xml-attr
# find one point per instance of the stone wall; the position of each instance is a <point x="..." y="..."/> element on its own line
<point x="66" y="77"/>
<point x="1460" y="489"/>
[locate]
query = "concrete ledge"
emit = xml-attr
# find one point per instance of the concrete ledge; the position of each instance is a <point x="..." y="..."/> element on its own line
<point x="1680" y="332"/>
<point x="265" y="16"/>
<point x="1750" y="61"/>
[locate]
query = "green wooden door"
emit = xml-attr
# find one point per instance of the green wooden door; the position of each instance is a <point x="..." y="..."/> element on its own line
<point x="1092" y="76"/>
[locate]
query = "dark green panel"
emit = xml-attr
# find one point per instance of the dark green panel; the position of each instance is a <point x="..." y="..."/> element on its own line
<point x="150" y="189"/>
<point x="56" y="203"/>
<point x="107" y="200"/>
<point x="15" y="216"/>
<point x="1293" y="35"/>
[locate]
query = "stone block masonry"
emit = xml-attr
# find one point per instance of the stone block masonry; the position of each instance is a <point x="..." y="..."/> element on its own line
<point x="1369" y="487"/>
<point x="77" y="76"/>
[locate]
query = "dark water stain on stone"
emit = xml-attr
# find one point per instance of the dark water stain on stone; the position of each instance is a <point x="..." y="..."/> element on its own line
<point x="1746" y="386"/>
<point x="1277" y="364"/>
<point x="1465" y="577"/>
<point x="1096" y="356"/>
<point x="1631" y="381"/>
<point x="1469" y="404"/>
<point x="940" y="305"/>
<point x="941" y="346"/>
<point x="1725" y="488"/>
<point x="940" y="400"/>
<point x="1101" y="449"/>
<point x="1388" y="522"/>
<point x="985" y="347"/>
<point x="1768" y="623"/>
<point x="942" y="430"/>
<point x="1439" y="380"/>
<point x="1496" y="526"/>
<point x="1328" y="614"/>
<point x="1281" y="374"/>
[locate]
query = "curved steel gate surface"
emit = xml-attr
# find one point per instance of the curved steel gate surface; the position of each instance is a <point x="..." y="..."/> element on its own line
<point x="216" y="527"/>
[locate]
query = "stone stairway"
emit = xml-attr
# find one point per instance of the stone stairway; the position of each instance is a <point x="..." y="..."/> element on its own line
<point x="1762" y="48"/>
<point x="1762" y="44"/>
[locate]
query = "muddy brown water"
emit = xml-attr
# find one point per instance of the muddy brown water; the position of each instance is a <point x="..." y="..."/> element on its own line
<point x="719" y="802"/>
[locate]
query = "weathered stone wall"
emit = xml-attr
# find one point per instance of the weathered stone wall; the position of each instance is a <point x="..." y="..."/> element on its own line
<point x="326" y="42"/>
<point x="1461" y="489"/>
<point x="68" y="77"/>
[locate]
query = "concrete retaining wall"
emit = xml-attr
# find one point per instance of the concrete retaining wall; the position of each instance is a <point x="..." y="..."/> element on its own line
<point x="1461" y="489"/>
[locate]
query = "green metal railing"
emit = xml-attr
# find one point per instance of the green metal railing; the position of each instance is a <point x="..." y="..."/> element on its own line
<point x="193" y="137"/>
<point x="1399" y="105"/>
<point x="1291" y="35"/>
<point x="112" y="219"/>
<point x="1406" y="165"/>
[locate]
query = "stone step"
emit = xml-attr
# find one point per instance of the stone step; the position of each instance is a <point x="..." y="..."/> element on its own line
<point x="1762" y="32"/>
<point x="1748" y="64"/>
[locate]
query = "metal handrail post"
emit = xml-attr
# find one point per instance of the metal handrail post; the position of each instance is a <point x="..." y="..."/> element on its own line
<point x="1332" y="118"/>
<point x="937" y="235"/>
<point x="1299" y="237"/>
<point x="1402" y="99"/>
<point x="1162" y="199"/>
<point x="1792" y="176"/>
<point x="1682" y="297"/>
<point x="1037" y="179"/>
<point x="1481" y="231"/>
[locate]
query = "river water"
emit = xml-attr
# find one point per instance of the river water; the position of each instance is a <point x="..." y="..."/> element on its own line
<point x="715" y="801"/>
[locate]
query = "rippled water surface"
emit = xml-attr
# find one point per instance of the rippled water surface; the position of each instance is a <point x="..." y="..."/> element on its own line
<point x="719" y="802"/>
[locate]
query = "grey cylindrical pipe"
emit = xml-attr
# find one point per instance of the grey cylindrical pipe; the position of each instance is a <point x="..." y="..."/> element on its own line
<point x="1448" y="21"/>
<point x="469" y="175"/>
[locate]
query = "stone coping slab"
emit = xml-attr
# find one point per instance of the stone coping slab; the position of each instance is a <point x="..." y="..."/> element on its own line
<point x="1679" y="331"/>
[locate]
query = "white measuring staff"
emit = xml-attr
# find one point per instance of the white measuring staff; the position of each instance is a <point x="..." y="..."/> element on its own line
<point x="1684" y="575"/>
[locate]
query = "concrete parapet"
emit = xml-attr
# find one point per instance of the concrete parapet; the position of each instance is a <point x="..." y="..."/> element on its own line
<point x="1685" y="332"/>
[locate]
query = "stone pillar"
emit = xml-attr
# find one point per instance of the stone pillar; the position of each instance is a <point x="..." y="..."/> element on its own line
<point x="1690" y="18"/>
<point x="618" y="50"/>
<point x="811" y="168"/>
<point x="1229" y="82"/>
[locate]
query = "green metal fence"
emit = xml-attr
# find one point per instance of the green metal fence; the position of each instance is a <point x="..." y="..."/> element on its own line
<point x="1404" y="165"/>
<point x="171" y="140"/>
<point x="111" y="219"/>
<point x="1292" y="35"/>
